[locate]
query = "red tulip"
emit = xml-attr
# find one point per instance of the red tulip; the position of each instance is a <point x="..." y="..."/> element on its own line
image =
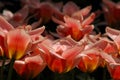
<point x="98" y="52"/>
<point x="4" y="28"/>
<point x="19" y="17"/>
<point x="74" y="11"/>
<point x="76" y="23"/>
<point x="114" y="35"/>
<point x="114" y="69"/>
<point x="63" y="55"/>
<point x="93" y="59"/>
<point x="111" y="12"/>
<point x="115" y="72"/>
<point x="70" y="8"/>
<point x="74" y="27"/>
<point x="90" y="62"/>
<point x="18" y="42"/>
<point x="30" y="66"/>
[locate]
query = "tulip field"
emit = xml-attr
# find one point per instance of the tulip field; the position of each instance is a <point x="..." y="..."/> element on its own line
<point x="59" y="40"/>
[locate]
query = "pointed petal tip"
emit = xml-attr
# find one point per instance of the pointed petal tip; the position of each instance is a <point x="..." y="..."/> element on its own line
<point x="4" y="24"/>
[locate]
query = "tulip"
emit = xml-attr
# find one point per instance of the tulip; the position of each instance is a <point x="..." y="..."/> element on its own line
<point x="111" y="13"/>
<point x="63" y="55"/>
<point x="97" y="51"/>
<point x="76" y="22"/>
<point x="30" y="66"/>
<point x="18" y="42"/>
<point x="89" y="64"/>
<point x="4" y="28"/>
<point x="19" y="17"/>
<point x="115" y="72"/>
<point x="93" y="58"/>
<point x="74" y="27"/>
<point x="69" y="8"/>
<point x="115" y="36"/>
<point x="114" y="69"/>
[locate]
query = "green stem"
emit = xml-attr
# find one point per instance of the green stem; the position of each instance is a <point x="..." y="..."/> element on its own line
<point x="2" y="69"/>
<point x="10" y="69"/>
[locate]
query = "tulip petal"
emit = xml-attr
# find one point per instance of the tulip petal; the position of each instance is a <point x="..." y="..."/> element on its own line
<point x="58" y="65"/>
<point x="108" y="58"/>
<point x="114" y="72"/>
<point x="71" y="56"/>
<point x="4" y="24"/>
<point x="87" y="29"/>
<point x="89" y="19"/>
<point x="17" y="41"/>
<point x="19" y="66"/>
<point x="74" y="27"/>
<point x="69" y="8"/>
<point x="37" y="31"/>
<point x="35" y="65"/>
<point x="85" y="11"/>
<point x="89" y="63"/>
<point x="101" y="44"/>
<point x="117" y="41"/>
<point x="112" y="33"/>
<point x="21" y="14"/>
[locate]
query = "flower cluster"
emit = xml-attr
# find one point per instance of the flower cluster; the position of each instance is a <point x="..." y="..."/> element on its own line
<point x="27" y="47"/>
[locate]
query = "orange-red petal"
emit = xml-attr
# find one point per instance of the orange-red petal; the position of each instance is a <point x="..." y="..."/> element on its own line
<point x="17" y="42"/>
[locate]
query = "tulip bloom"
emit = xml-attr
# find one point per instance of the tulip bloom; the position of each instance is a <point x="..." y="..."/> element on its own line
<point x="93" y="59"/>
<point x="30" y="66"/>
<point x="89" y="64"/>
<point x="115" y="36"/>
<point x="63" y="55"/>
<point x="4" y="28"/>
<point x="112" y="13"/>
<point x="19" y="17"/>
<point x="74" y="27"/>
<point x="76" y="23"/>
<point x="74" y="11"/>
<point x="70" y="8"/>
<point x="97" y="52"/>
<point x="114" y="69"/>
<point x="18" y="42"/>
